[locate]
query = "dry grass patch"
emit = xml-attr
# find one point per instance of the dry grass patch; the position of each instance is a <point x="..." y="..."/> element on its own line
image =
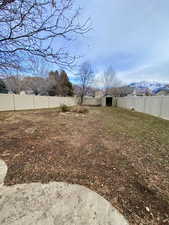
<point x="122" y="155"/>
<point x="80" y="109"/>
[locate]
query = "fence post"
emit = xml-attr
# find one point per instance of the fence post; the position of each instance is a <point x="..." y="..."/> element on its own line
<point x="48" y="101"/>
<point x="161" y="105"/>
<point x="33" y="101"/>
<point x="144" y="107"/>
<point x="13" y="99"/>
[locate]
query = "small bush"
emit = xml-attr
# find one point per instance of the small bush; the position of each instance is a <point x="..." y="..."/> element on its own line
<point x="80" y="109"/>
<point x="64" y="108"/>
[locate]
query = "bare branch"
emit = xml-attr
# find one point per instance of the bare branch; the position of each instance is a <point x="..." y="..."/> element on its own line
<point x="32" y="27"/>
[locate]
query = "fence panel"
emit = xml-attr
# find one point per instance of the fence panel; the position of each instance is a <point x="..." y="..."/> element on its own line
<point x="6" y="102"/>
<point x="165" y="108"/>
<point x="41" y="102"/>
<point x="153" y="105"/>
<point x="23" y="102"/>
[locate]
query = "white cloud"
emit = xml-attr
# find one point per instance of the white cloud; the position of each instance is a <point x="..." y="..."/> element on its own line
<point x="149" y="72"/>
<point x="137" y="29"/>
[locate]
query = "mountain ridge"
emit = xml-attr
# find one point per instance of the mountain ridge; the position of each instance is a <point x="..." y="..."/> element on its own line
<point x="152" y="85"/>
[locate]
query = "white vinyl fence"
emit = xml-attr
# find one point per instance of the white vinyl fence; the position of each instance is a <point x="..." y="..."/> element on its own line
<point x="91" y="101"/>
<point x="154" y="105"/>
<point x="23" y="102"/>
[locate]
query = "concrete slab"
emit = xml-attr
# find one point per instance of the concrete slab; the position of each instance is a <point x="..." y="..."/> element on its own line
<point x="55" y="204"/>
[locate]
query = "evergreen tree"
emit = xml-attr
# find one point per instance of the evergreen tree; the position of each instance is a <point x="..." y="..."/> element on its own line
<point x="3" y="88"/>
<point x="59" y="84"/>
<point x="54" y="84"/>
<point x="65" y="84"/>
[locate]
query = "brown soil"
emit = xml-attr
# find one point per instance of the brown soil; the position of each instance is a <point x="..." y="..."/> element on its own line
<point x="122" y="155"/>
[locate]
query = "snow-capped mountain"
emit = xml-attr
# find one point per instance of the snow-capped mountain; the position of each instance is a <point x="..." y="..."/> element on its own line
<point x="152" y="85"/>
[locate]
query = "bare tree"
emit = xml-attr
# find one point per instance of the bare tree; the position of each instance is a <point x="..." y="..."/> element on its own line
<point x="86" y="76"/>
<point x="34" y="85"/>
<point x="110" y="80"/>
<point x="13" y="84"/>
<point x="3" y="3"/>
<point x="32" y="27"/>
<point x="107" y="80"/>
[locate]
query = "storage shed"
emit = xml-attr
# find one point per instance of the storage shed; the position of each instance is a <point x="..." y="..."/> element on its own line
<point x="108" y="100"/>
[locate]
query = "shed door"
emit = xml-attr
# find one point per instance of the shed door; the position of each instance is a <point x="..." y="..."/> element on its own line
<point x="108" y="101"/>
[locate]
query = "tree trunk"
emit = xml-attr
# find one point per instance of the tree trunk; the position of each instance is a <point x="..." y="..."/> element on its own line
<point x="81" y="99"/>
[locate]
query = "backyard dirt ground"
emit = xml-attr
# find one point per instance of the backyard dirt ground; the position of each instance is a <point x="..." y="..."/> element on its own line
<point x="122" y="155"/>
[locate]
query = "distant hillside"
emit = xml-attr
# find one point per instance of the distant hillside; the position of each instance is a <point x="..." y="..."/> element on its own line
<point x="152" y="85"/>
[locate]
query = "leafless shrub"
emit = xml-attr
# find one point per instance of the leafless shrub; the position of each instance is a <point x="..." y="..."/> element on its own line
<point x="64" y="108"/>
<point x="80" y="109"/>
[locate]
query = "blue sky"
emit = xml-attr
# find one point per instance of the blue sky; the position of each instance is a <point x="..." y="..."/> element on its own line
<point x="130" y="35"/>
